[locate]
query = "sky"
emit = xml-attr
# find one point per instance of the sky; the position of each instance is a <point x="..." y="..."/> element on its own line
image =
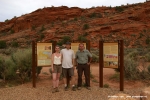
<point x="11" y="8"/>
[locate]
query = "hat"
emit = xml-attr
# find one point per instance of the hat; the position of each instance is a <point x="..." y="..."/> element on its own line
<point x="68" y="43"/>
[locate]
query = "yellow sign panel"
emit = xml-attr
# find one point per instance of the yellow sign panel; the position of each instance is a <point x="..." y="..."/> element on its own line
<point x="44" y="52"/>
<point x="110" y="55"/>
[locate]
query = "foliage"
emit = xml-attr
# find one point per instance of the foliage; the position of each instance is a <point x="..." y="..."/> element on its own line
<point x="131" y="70"/>
<point x="23" y="62"/>
<point x="12" y="31"/>
<point x="42" y="28"/>
<point x="7" y="69"/>
<point x="15" y="44"/>
<point x="82" y="38"/>
<point x="119" y="9"/>
<point x="106" y="85"/>
<point x="147" y="40"/>
<point x="115" y="76"/>
<point x="2" y="44"/>
<point x="66" y="39"/>
<point x="85" y="27"/>
<point x="95" y="58"/>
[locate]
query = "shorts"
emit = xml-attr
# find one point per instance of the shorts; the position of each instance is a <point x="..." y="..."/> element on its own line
<point x="57" y="68"/>
<point x="67" y="71"/>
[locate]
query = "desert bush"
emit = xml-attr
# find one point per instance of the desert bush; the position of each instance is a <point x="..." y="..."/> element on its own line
<point x="115" y="76"/>
<point x="95" y="58"/>
<point x="85" y="27"/>
<point x="119" y="9"/>
<point x="131" y="70"/>
<point x="106" y="85"/>
<point x="82" y="38"/>
<point x="8" y="51"/>
<point x="42" y="28"/>
<point x="7" y="68"/>
<point x="15" y="44"/>
<point x="38" y="70"/>
<point x="12" y="31"/>
<point x="23" y="61"/>
<point x="2" y="44"/>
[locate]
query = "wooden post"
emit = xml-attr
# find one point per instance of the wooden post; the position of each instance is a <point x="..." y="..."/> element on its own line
<point x="101" y="63"/>
<point x="88" y="48"/>
<point x="33" y="65"/>
<point x="121" y="65"/>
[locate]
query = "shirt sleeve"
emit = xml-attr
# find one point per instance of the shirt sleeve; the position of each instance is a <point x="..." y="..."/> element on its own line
<point x="89" y="54"/>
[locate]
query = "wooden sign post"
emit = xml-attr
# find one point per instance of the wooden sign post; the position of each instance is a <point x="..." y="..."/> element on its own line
<point x="41" y="56"/>
<point x="111" y="55"/>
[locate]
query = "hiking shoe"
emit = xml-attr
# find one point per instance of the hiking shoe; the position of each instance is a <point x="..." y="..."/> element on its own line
<point x="73" y="88"/>
<point x="66" y="88"/>
<point x="54" y="90"/>
<point x="88" y="88"/>
<point x="79" y="88"/>
<point x="57" y="90"/>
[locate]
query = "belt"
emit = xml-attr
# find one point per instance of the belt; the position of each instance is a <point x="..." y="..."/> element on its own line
<point x="57" y="64"/>
<point x="82" y="64"/>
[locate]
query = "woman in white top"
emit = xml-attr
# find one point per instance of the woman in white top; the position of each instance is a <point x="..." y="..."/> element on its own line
<point x="56" y="68"/>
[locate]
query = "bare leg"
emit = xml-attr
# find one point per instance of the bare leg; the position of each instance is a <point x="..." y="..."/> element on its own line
<point x="54" y="80"/>
<point x="57" y="79"/>
<point x="65" y="81"/>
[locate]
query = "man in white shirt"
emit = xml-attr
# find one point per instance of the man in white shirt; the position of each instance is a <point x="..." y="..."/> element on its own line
<point x="68" y="65"/>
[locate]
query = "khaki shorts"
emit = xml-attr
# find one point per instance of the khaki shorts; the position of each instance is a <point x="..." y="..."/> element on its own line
<point x="57" y="68"/>
<point x="67" y="71"/>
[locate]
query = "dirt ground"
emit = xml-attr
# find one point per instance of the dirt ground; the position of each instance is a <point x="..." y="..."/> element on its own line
<point x="45" y="79"/>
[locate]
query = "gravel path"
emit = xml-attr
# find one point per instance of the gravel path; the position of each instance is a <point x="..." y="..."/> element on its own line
<point x="44" y="93"/>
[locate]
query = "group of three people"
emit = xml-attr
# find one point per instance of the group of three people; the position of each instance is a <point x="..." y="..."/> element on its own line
<point x="65" y="60"/>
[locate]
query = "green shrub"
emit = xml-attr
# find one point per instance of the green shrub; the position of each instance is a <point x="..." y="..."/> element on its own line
<point x="38" y="70"/>
<point x="42" y="28"/>
<point x="85" y="27"/>
<point x="15" y="44"/>
<point x="66" y="39"/>
<point x="115" y="76"/>
<point x="93" y="15"/>
<point x="12" y="31"/>
<point x="106" y="85"/>
<point x="119" y="9"/>
<point x="23" y="62"/>
<point x="147" y="41"/>
<point x="95" y="58"/>
<point x="131" y="70"/>
<point x="2" y="44"/>
<point x="82" y="38"/>
<point x="7" y="69"/>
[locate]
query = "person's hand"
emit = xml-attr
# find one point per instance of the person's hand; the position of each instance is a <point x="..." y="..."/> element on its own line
<point x="52" y="70"/>
<point x="88" y="63"/>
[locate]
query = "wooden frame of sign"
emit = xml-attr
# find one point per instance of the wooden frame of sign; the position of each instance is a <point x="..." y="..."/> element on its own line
<point x="112" y="57"/>
<point x="41" y="53"/>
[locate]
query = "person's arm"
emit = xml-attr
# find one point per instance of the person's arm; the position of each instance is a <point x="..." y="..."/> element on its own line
<point x="90" y="57"/>
<point x="52" y="62"/>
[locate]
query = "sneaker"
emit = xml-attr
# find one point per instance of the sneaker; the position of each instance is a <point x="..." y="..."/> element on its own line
<point x="73" y="88"/>
<point x="54" y="90"/>
<point x="79" y="88"/>
<point x="57" y="90"/>
<point x="66" y="88"/>
<point x="88" y="88"/>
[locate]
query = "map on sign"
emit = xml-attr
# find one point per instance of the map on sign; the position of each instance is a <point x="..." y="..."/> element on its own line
<point x="111" y="55"/>
<point x="44" y="51"/>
